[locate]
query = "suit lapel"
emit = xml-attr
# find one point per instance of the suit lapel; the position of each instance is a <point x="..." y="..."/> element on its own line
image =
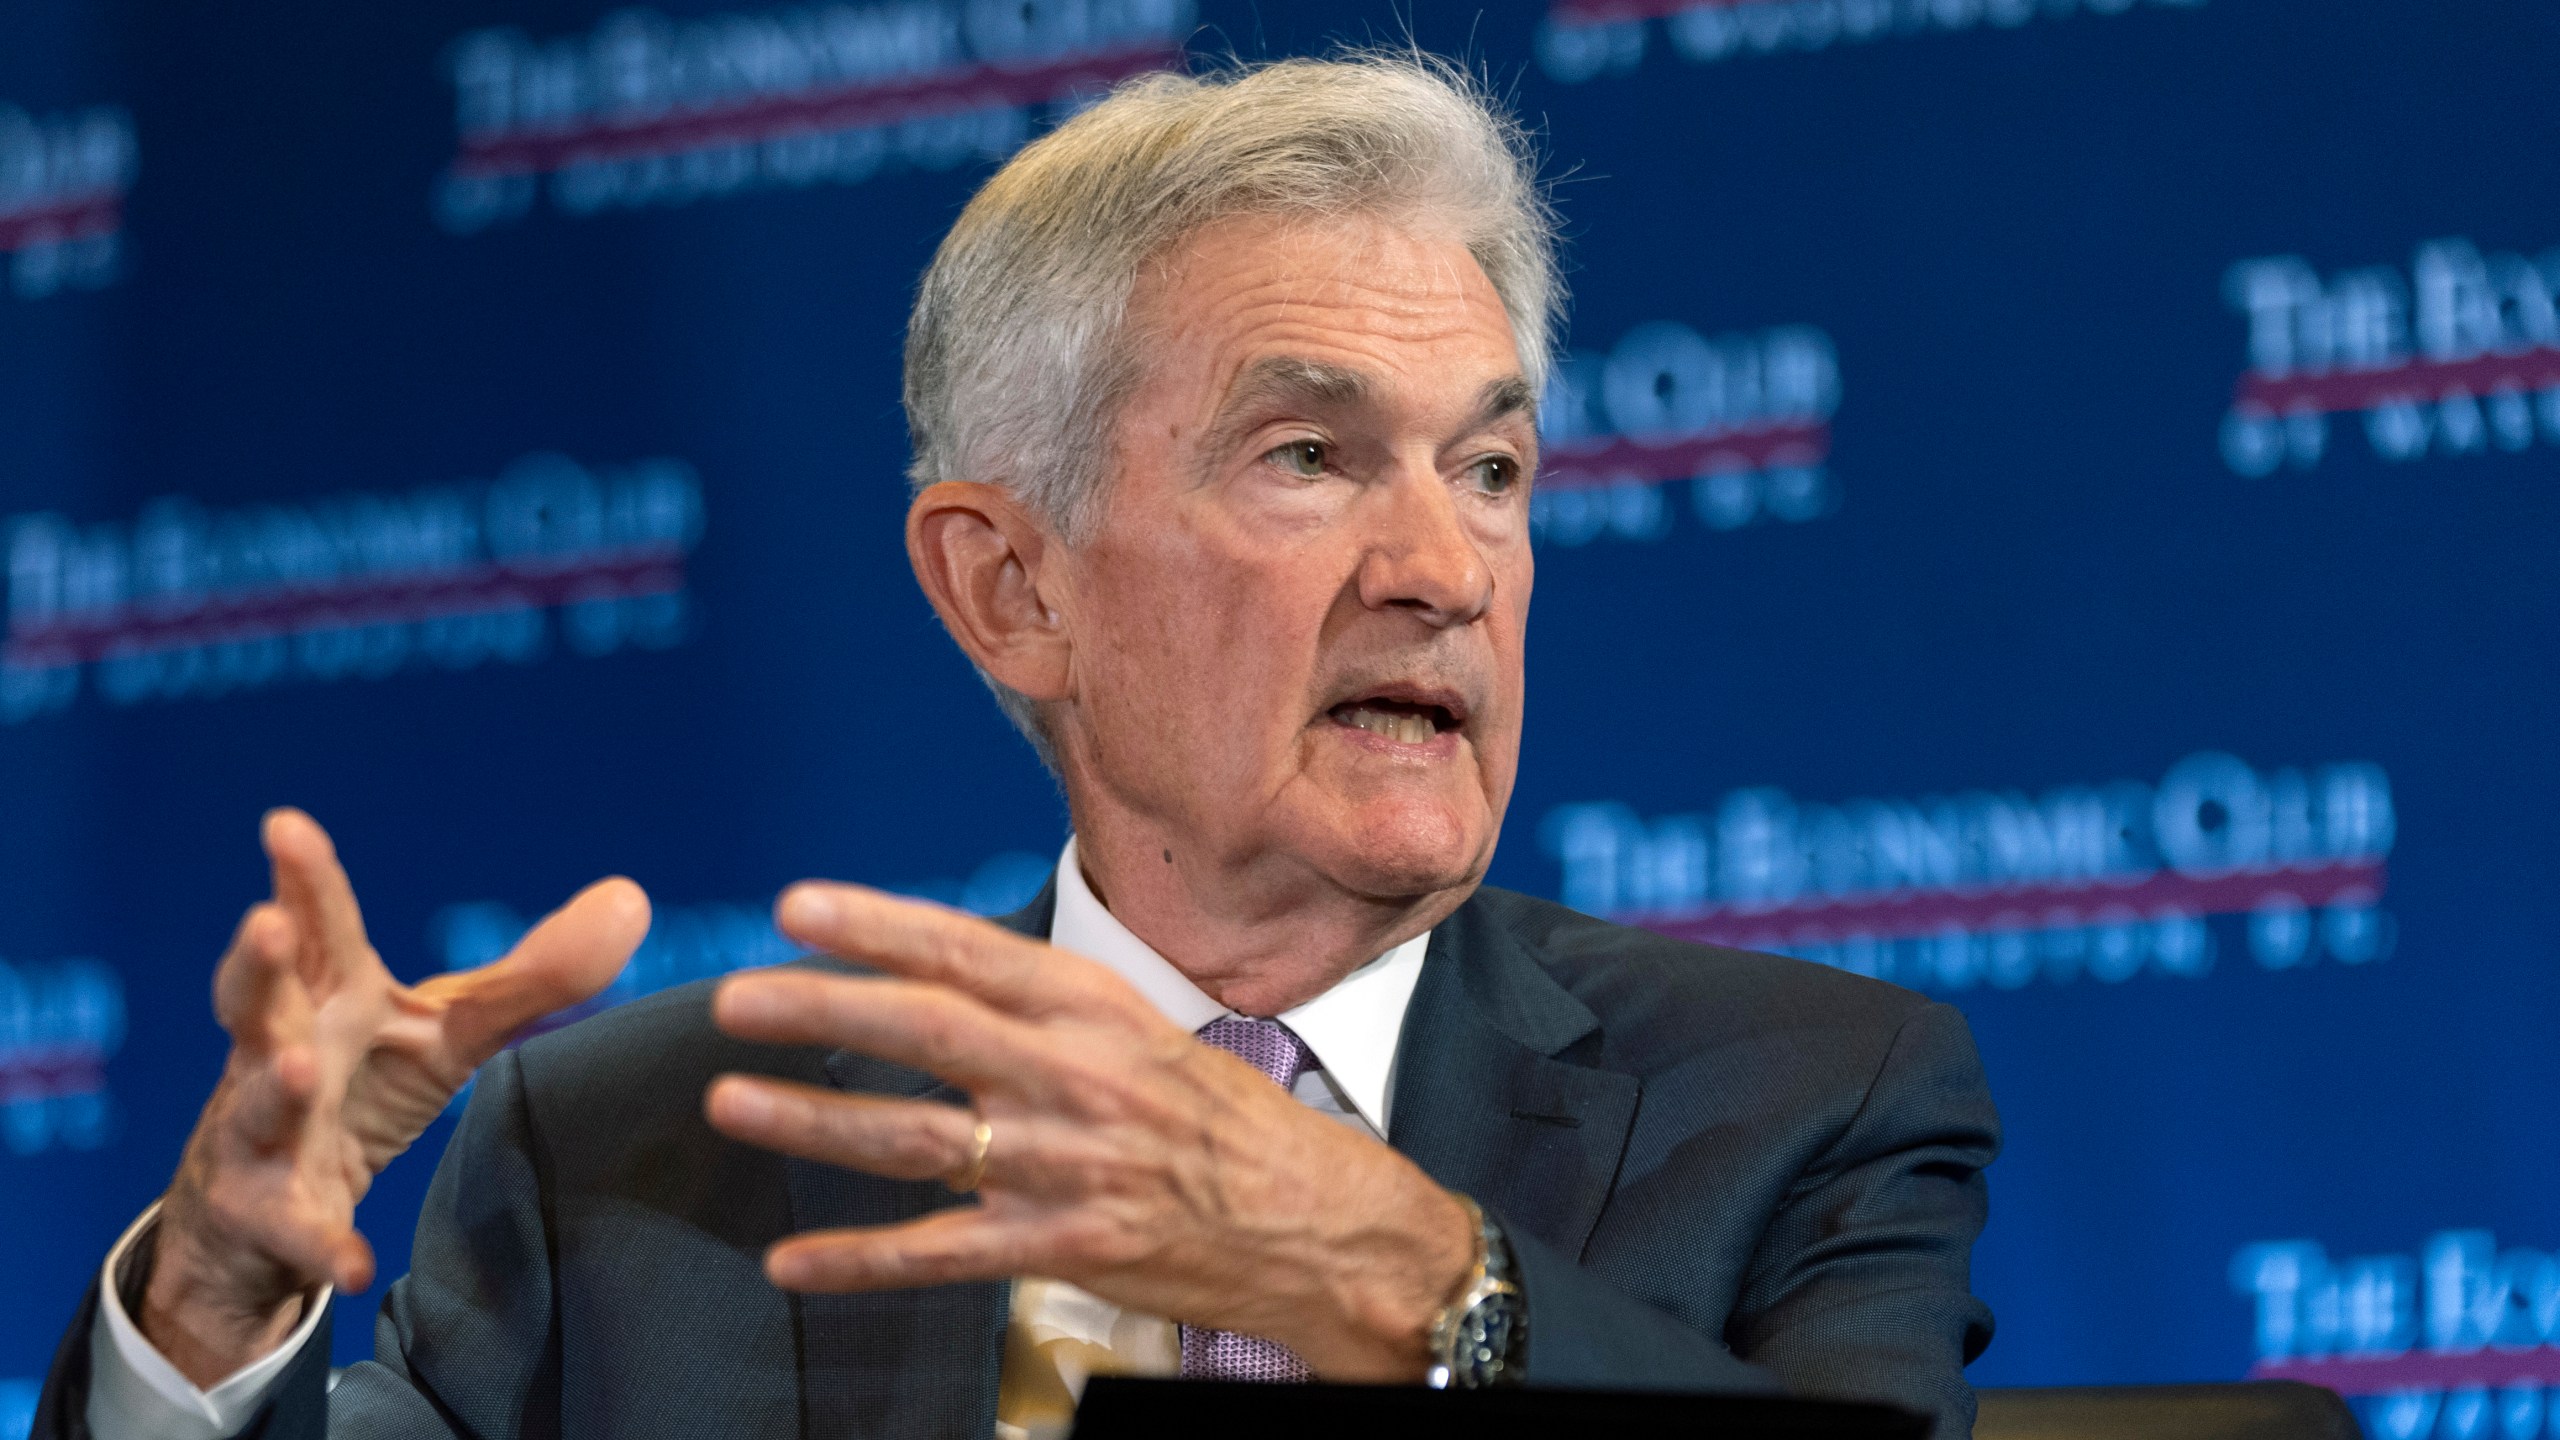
<point x="1482" y="1103"/>
<point x="908" y="1362"/>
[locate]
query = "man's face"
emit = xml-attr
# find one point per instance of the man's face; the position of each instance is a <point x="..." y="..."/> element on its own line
<point x="1298" y="628"/>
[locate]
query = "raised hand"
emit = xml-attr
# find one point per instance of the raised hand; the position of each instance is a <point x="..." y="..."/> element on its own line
<point x="1127" y="1157"/>
<point x="335" y="1068"/>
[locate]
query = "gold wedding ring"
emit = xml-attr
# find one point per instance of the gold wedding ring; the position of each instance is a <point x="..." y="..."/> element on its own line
<point x="966" y="1178"/>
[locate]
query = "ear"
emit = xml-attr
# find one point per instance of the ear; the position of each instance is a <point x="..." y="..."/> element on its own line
<point x="978" y="554"/>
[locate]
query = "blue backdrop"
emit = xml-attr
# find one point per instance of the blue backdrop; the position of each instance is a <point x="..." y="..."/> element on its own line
<point x="2052" y="502"/>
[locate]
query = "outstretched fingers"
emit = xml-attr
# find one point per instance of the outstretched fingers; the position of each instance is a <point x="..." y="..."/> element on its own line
<point x="273" y="1097"/>
<point x="948" y="1247"/>
<point x="927" y="1027"/>
<point x="313" y="886"/>
<point x="258" y="997"/>
<point x="350" y="1266"/>
<point x="571" y="956"/>
<point x="313" y="1248"/>
<point x="899" y="1139"/>
<point x="928" y="942"/>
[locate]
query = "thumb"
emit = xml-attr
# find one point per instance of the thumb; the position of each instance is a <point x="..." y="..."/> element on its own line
<point x="571" y="956"/>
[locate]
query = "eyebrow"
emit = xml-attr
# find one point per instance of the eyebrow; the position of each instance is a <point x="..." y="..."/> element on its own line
<point x="1291" y="382"/>
<point x="1286" y="380"/>
<point x="1502" y="398"/>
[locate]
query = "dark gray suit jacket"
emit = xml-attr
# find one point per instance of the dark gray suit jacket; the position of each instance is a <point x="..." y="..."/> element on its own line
<point x="1722" y="1171"/>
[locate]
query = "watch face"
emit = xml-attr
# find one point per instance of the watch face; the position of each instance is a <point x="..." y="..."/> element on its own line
<point x="1487" y="1338"/>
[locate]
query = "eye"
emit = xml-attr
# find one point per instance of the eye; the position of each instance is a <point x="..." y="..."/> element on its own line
<point x="1495" y="474"/>
<point x="1302" y="458"/>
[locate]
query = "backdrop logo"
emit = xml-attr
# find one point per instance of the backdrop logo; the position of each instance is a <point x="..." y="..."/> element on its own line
<point x="695" y="942"/>
<point x="63" y="180"/>
<point x="2459" y="355"/>
<point x="649" y="110"/>
<point x="1581" y="39"/>
<point x="2460" y="1340"/>
<point x="2001" y="888"/>
<point x="186" y="601"/>
<point x="1741" y="423"/>
<point x="60" y="1022"/>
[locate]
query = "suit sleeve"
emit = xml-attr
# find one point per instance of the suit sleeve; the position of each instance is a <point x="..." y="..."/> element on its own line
<point x="107" y="1381"/>
<point x="1862" y="1285"/>
<point x="62" y="1410"/>
<point x="1586" y="1333"/>
<point x="467" y="1346"/>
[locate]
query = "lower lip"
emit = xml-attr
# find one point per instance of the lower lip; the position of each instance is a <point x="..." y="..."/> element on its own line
<point x="1442" y="745"/>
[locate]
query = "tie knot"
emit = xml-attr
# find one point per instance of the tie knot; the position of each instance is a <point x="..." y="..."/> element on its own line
<point x="1266" y="1045"/>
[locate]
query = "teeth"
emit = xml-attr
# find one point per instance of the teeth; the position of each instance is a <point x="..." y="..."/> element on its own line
<point x="1408" y="729"/>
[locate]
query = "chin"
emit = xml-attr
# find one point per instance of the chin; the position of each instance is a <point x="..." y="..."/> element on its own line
<point x="1411" y="850"/>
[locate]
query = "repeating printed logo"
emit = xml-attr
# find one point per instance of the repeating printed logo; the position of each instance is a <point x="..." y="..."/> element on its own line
<point x="647" y="110"/>
<point x="1584" y="39"/>
<point x="1739" y="426"/>
<point x="1990" y="888"/>
<point x="695" y="942"/>
<point x="2459" y="1341"/>
<point x="190" y="602"/>
<point x="60" y="1022"/>
<point x="63" y="180"/>
<point x="2459" y="355"/>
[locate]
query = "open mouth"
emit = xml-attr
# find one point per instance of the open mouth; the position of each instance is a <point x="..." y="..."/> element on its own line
<point x="1407" y="719"/>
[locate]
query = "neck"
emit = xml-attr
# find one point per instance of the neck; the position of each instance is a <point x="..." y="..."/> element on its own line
<point x="1259" y="933"/>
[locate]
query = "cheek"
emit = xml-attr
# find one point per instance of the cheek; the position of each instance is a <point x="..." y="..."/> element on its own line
<point x="1198" y="652"/>
<point x="1508" y="631"/>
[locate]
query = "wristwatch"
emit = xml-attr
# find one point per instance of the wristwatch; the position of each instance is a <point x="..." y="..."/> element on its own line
<point x="1481" y="1339"/>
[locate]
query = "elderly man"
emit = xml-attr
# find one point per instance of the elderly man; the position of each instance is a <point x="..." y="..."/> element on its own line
<point x="1223" y="406"/>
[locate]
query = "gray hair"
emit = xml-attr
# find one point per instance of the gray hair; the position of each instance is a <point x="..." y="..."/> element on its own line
<point x="1017" y="352"/>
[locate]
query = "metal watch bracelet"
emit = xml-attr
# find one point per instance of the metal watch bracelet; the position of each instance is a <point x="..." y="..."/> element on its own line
<point x="1480" y="1339"/>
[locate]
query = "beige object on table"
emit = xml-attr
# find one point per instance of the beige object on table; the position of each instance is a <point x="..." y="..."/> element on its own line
<point x="1059" y="1337"/>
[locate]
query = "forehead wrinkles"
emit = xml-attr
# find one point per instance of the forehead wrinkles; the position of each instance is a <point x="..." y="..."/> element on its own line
<point x="1234" y="277"/>
<point x="1233" y="320"/>
<point x="1378" y="334"/>
<point x="1296" y="311"/>
<point x="1361" y="294"/>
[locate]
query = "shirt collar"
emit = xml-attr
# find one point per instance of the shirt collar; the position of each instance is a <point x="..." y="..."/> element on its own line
<point x="1352" y="1029"/>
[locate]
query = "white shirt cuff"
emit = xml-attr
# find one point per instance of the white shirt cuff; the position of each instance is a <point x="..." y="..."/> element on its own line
<point x="136" y="1394"/>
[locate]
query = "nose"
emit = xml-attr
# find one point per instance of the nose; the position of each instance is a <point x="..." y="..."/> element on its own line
<point x="1420" y="557"/>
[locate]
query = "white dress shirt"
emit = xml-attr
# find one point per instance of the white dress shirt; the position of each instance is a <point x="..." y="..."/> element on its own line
<point x="1351" y="1029"/>
<point x="136" y="1394"/>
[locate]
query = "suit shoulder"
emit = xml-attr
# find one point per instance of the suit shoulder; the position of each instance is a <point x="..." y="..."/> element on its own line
<point x="644" y="1053"/>
<point x="1638" y="982"/>
<point x="610" y="1110"/>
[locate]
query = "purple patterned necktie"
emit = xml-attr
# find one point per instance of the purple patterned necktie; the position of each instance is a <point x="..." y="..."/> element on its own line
<point x="1267" y="1046"/>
